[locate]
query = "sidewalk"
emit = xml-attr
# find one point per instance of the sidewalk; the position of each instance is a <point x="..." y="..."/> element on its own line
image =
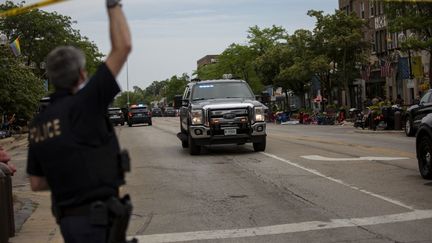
<point x="33" y="219"/>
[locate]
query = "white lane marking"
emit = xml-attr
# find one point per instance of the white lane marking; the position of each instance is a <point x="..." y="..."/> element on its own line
<point x="285" y="228"/>
<point x="322" y="158"/>
<point x="317" y="173"/>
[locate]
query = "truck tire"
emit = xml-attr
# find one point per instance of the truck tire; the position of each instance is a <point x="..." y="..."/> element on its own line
<point x="409" y="129"/>
<point x="193" y="148"/>
<point x="260" y="146"/>
<point x="425" y="157"/>
<point x="182" y="130"/>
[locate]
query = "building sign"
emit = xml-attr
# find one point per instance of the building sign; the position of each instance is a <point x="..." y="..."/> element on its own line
<point x="380" y="22"/>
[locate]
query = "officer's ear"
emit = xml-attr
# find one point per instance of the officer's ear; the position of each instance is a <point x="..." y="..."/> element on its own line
<point x="83" y="75"/>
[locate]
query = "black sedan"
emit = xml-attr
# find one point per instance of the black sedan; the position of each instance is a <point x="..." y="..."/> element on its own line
<point x="170" y="111"/>
<point x="116" y="116"/>
<point x="156" y="112"/>
<point x="139" y="114"/>
<point x="416" y="112"/>
<point x="424" y="147"/>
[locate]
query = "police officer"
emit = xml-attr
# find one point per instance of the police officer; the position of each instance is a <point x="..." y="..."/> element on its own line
<point x="73" y="150"/>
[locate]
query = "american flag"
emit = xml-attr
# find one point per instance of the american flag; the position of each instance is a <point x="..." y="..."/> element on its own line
<point x="385" y="69"/>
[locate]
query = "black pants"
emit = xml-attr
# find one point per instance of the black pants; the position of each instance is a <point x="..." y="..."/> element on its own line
<point x="77" y="229"/>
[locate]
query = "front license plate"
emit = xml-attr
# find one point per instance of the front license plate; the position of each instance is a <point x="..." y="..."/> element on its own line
<point x="231" y="131"/>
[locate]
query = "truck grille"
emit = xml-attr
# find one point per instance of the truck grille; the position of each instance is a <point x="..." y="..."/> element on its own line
<point x="229" y="118"/>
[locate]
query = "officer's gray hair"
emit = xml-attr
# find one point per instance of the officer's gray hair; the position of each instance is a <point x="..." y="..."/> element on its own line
<point x="63" y="66"/>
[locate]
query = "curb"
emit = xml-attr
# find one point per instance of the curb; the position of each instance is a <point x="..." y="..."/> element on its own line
<point x="379" y="131"/>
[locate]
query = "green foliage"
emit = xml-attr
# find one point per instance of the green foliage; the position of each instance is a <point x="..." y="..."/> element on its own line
<point x="39" y="32"/>
<point x="20" y="89"/>
<point x="338" y="38"/>
<point x="175" y="86"/>
<point x="261" y="40"/>
<point x="156" y="91"/>
<point x="21" y="85"/>
<point x="208" y="72"/>
<point x="415" y="18"/>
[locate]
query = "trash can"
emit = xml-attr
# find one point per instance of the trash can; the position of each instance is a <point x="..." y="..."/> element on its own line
<point x="6" y="203"/>
<point x="4" y="216"/>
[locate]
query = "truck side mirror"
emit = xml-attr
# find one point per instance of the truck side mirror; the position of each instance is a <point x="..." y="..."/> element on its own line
<point x="185" y="102"/>
<point x="178" y="101"/>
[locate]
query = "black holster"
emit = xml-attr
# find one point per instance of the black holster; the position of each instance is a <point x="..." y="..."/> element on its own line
<point x="120" y="211"/>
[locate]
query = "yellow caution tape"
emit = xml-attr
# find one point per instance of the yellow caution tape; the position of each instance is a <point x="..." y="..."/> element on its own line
<point x="25" y="9"/>
<point x="409" y="1"/>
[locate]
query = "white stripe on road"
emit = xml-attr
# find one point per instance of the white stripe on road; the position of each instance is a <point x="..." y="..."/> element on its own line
<point x="317" y="173"/>
<point x="285" y="228"/>
<point x="321" y="158"/>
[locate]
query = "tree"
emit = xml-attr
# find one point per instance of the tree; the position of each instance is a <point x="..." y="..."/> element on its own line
<point x="175" y="86"/>
<point x="298" y="72"/>
<point x="339" y="38"/>
<point x="238" y="60"/>
<point x="39" y="32"/>
<point x="20" y="89"/>
<point x="270" y="64"/>
<point x="417" y="18"/>
<point x="210" y="71"/>
<point x="261" y="40"/>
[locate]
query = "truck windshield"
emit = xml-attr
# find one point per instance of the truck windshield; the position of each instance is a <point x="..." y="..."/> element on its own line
<point x="221" y="91"/>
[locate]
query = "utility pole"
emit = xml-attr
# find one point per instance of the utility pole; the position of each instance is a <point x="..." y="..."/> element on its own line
<point x="127" y="82"/>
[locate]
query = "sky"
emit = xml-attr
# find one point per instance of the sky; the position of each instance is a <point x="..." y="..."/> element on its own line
<point x="169" y="36"/>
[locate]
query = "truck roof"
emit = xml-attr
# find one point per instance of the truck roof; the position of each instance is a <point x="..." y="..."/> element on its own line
<point x="218" y="81"/>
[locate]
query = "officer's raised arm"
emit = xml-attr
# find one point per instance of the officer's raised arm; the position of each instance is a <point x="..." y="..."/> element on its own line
<point x="121" y="43"/>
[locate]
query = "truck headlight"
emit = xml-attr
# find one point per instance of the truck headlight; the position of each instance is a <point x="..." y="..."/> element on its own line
<point x="259" y="114"/>
<point x="197" y="117"/>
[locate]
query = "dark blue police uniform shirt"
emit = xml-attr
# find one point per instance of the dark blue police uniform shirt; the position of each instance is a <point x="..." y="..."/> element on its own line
<point x="67" y="136"/>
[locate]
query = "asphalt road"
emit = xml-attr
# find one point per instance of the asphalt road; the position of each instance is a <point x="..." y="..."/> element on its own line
<point x="312" y="184"/>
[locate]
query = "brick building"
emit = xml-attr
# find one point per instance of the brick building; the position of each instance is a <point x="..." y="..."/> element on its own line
<point x="209" y="59"/>
<point x="391" y="71"/>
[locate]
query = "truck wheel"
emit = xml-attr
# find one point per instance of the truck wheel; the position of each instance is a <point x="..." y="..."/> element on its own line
<point x="193" y="148"/>
<point x="150" y="123"/>
<point x="185" y="144"/>
<point x="129" y="124"/>
<point x="260" y="146"/>
<point x="425" y="157"/>
<point x="182" y="130"/>
<point x="409" y="130"/>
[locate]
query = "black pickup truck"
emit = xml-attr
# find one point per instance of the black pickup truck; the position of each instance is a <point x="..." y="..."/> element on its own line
<point x="221" y="112"/>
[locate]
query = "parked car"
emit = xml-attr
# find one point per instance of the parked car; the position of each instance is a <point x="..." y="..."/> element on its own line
<point x="417" y="112"/>
<point x="139" y="114"/>
<point x="156" y="112"/>
<point x="5" y="134"/>
<point x="170" y="111"/>
<point x="116" y="116"/>
<point x="424" y="147"/>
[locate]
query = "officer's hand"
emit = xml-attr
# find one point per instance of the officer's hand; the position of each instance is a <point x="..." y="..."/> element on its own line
<point x="112" y="3"/>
